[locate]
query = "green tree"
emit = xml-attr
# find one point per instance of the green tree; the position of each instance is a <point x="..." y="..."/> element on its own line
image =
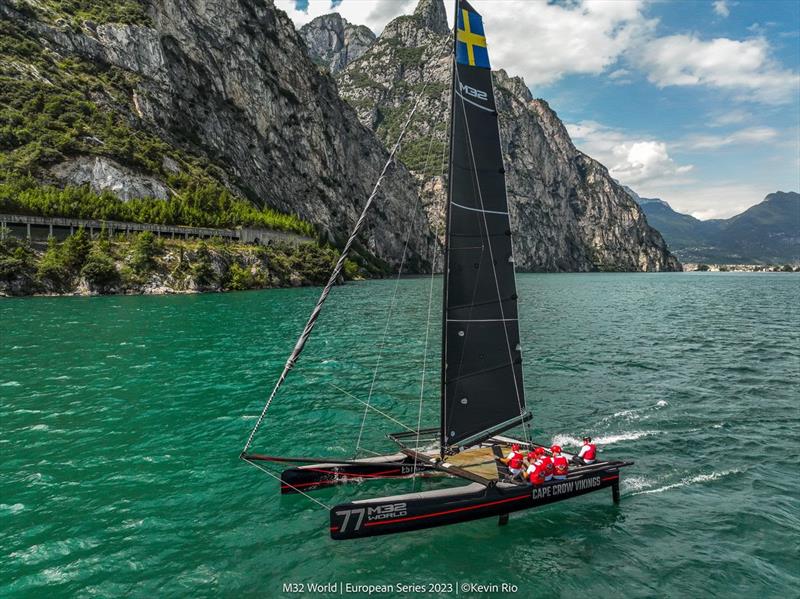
<point x="100" y="271"/>
<point x="144" y="250"/>
<point x="75" y="250"/>
<point x="52" y="272"/>
<point x="17" y="265"/>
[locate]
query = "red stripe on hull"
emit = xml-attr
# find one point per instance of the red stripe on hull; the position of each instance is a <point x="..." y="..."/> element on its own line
<point x="460" y="509"/>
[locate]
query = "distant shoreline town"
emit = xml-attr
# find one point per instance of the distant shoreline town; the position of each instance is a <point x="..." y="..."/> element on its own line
<point x="695" y="267"/>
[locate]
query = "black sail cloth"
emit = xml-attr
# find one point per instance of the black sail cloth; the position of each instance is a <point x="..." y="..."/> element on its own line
<point x="482" y="372"/>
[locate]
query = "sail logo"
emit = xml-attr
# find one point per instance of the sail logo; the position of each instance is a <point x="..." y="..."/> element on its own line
<point x="471" y="91"/>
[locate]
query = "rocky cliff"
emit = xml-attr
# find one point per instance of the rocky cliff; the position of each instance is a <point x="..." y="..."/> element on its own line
<point x="231" y="85"/>
<point x="334" y="43"/>
<point x="568" y="214"/>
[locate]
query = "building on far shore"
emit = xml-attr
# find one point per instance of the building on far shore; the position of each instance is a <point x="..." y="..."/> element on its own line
<point x="695" y="267"/>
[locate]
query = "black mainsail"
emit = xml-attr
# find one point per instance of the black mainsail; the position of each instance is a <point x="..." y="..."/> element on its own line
<point x="482" y="392"/>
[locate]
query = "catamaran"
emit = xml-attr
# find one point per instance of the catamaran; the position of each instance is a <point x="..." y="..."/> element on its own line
<point x="482" y="391"/>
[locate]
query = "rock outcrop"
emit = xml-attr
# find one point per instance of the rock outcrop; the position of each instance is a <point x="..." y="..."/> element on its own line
<point x="233" y="82"/>
<point x="103" y="174"/>
<point x="334" y="43"/>
<point x="568" y="214"/>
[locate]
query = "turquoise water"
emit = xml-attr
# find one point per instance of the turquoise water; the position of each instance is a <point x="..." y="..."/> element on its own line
<point x="122" y="419"/>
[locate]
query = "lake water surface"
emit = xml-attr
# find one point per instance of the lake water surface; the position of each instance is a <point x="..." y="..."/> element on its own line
<point x="122" y="418"/>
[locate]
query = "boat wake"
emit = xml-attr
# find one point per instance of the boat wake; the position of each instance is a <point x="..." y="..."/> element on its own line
<point x="636" y="413"/>
<point x="601" y="440"/>
<point x="700" y="478"/>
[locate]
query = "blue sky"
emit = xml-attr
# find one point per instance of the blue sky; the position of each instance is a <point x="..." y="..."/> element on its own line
<point x="697" y="103"/>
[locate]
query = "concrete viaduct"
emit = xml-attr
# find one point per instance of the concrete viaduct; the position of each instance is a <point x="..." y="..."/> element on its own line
<point x="39" y="228"/>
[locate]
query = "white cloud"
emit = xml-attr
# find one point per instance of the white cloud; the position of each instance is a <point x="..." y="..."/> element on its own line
<point x="741" y="66"/>
<point x="714" y="201"/>
<point x="543" y="41"/>
<point x="730" y="117"/>
<point x="721" y="8"/>
<point x="633" y="160"/>
<point x="372" y="13"/>
<point x="749" y="136"/>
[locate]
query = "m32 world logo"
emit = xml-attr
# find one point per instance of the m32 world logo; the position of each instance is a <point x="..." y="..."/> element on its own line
<point x="378" y="512"/>
<point x="471" y="91"/>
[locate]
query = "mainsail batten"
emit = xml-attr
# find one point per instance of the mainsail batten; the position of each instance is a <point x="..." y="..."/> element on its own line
<point x="482" y="390"/>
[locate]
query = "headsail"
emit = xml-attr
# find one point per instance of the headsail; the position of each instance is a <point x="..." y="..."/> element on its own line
<point x="482" y="391"/>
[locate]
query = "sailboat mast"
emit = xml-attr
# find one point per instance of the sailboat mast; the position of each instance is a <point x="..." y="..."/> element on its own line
<point x="445" y="251"/>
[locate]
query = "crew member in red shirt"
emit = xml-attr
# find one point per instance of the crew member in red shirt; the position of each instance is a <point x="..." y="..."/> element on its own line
<point x="547" y="464"/>
<point x="535" y="472"/>
<point x="560" y="464"/>
<point x="514" y="460"/>
<point x="587" y="454"/>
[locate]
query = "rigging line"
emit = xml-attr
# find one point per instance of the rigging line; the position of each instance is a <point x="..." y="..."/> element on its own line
<point x="337" y="269"/>
<point x="491" y="257"/>
<point x="283" y="482"/>
<point x="393" y="301"/>
<point x="384" y="414"/>
<point x="428" y="326"/>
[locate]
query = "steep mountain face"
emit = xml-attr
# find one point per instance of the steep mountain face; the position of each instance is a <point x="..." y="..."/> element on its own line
<point x="568" y="214"/>
<point x="767" y="232"/>
<point x="232" y="83"/>
<point x="334" y="43"/>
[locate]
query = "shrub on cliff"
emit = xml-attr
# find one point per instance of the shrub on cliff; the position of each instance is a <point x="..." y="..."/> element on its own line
<point x="144" y="251"/>
<point x="17" y="267"/>
<point x="202" y="267"/>
<point x="100" y="270"/>
<point x="242" y="277"/>
<point x="52" y="273"/>
<point x="75" y="250"/>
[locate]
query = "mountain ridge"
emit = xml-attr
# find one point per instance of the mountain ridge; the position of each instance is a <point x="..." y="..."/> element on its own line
<point x="334" y="42"/>
<point x="767" y="232"/>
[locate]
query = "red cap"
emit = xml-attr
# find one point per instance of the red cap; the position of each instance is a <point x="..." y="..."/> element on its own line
<point x="515" y="446"/>
<point x="556" y="449"/>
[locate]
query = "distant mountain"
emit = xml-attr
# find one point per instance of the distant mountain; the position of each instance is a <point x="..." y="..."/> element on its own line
<point x="768" y="232"/>
<point x="333" y="42"/>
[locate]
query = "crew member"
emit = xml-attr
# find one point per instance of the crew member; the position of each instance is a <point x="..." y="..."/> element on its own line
<point x="547" y="464"/>
<point x="560" y="464"/>
<point x="514" y="460"/>
<point x="587" y="454"/>
<point x="535" y="472"/>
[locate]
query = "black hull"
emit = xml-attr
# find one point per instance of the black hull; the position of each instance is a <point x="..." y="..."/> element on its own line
<point x="316" y="476"/>
<point x="416" y="511"/>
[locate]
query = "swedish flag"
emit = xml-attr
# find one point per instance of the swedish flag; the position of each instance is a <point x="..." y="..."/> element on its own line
<point x="470" y="39"/>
